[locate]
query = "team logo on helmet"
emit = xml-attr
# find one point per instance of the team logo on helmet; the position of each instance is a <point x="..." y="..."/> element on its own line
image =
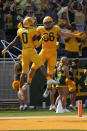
<point x="47" y="19"/>
<point x="28" y="21"/>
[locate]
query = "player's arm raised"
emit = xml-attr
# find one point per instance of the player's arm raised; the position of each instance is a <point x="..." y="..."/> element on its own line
<point x="66" y="34"/>
<point x="13" y="43"/>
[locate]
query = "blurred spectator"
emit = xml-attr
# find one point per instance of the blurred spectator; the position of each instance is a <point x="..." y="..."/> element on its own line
<point x="12" y="18"/>
<point x="32" y="14"/>
<point x="6" y="5"/>
<point x="72" y="44"/>
<point x="20" y="3"/>
<point x="51" y="11"/>
<point x="63" y="21"/>
<point x="79" y="14"/>
<point x="44" y="4"/>
<point x="84" y="43"/>
<point x="28" y="8"/>
<point x="8" y="24"/>
<point x="40" y="13"/>
<point x="85" y="10"/>
<point x="2" y="34"/>
<point x="64" y="24"/>
<point x="17" y="16"/>
<point x="63" y="7"/>
<point x="8" y="20"/>
<point x="31" y="3"/>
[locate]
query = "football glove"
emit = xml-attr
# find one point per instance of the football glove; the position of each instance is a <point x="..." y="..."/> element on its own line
<point x="3" y="52"/>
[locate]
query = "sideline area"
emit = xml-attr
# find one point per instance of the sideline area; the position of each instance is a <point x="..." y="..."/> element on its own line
<point x="43" y="123"/>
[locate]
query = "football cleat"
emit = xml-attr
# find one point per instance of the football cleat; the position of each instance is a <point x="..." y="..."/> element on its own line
<point x="21" y="107"/>
<point x="25" y="107"/>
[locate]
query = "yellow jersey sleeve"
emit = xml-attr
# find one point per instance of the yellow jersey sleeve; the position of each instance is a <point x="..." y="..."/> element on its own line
<point x="26" y="36"/>
<point x="79" y="34"/>
<point x="39" y="30"/>
<point x="57" y="28"/>
<point x="18" y="32"/>
<point x="72" y="44"/>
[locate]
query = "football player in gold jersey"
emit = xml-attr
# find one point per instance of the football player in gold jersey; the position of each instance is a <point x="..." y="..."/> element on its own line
<point x="27" y="36"/>
<point x="72" y="44"/>
<point x="84" y="42"/>
<point x="49" y="33"/>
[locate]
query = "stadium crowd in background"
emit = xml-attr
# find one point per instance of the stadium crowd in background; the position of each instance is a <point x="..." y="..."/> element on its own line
<point x="63" y="12"/>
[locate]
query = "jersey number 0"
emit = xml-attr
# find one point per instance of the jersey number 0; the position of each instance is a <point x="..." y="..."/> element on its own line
<point x="25" y="37"/>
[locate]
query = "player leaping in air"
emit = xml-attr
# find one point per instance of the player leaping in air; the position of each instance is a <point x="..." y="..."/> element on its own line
<point x="27" y="35"/>
<point x="48" y="33"/>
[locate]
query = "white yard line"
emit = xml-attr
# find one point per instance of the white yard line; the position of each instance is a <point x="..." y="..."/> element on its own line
<point x="33" y="117"/>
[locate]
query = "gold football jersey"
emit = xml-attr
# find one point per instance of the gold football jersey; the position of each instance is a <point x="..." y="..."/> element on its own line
<point x="26" y="35"/>
<point x="83" y="44"/>
<point x="50" y="36"/>
<point x="72" y="45"/>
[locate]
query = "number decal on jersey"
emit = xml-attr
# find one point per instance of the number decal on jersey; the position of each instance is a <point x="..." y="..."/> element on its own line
<point x="50" y="36"/>
<point x="25" y="37"/>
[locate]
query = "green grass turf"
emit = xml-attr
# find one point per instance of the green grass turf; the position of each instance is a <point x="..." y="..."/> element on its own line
<point x="11" y="113"/>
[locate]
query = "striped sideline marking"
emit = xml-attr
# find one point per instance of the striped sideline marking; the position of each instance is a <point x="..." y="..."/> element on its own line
<point x="32" y="117"/>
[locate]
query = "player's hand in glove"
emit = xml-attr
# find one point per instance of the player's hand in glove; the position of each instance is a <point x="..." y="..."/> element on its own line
<point x="4" y="52"/>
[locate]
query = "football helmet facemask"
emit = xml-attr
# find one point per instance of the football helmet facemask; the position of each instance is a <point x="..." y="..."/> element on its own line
<point x="48" y="22"/>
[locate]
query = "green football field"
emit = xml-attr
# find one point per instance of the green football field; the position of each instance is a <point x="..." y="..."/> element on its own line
<point x="12" y="113"/>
